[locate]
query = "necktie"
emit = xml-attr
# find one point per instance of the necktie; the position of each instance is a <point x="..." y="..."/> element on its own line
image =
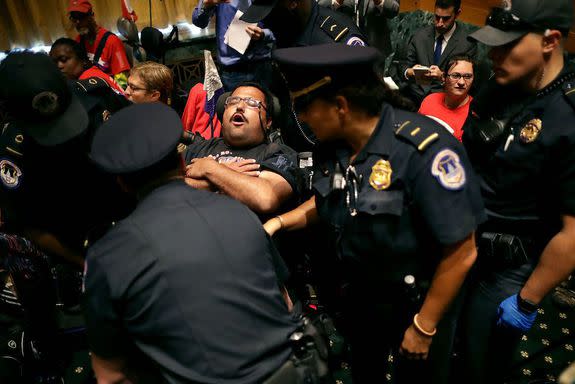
<point x="437" y="53"/>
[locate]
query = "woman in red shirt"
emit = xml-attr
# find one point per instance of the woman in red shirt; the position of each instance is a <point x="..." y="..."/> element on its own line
<point x="72" y="59"/>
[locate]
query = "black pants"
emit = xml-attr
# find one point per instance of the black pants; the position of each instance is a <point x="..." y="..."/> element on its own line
<point x="487" y="350"/>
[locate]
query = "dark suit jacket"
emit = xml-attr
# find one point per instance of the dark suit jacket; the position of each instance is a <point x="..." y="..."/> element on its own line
<point x="420" y="51"/>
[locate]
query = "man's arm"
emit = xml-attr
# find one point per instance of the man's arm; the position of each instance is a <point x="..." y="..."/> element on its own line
<point x="448" y="278"/>
<point x="556" y="263"/>
<point x="262" y="194"/>
<point x="204" y="12"/>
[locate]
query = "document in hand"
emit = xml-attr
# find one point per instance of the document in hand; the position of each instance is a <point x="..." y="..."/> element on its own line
<point x="236" y="35"/>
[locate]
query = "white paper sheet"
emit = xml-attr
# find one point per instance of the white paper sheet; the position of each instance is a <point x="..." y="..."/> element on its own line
<point x="236" y="35"/>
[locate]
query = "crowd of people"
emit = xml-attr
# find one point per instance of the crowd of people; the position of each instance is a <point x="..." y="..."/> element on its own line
<point x="417" y="224"/>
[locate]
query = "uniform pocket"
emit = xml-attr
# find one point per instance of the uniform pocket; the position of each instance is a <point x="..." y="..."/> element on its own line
<point x="374" y="202"/>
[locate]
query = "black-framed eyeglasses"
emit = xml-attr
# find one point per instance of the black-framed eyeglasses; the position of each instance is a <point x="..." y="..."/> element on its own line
<point x="506" y="21"/>
<point x="249" y="101"/>
<point x="457" y="76"/>
<point x="136" y="89"/>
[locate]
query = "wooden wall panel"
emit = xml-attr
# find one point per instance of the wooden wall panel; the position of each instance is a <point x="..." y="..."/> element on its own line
<point x="474" y="12"/>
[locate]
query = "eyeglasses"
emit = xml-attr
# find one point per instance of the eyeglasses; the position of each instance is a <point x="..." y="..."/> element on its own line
<point x="506" y="21"/>
<point x="136" y="89"/>
<point x="250" y="102"/>
<point x="457" y="76"/>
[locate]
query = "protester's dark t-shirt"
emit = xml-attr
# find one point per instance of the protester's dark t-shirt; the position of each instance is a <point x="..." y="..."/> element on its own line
<point x="274" y="157"/>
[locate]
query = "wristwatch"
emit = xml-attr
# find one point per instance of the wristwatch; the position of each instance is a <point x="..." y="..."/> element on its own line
<point x="526" y="306"/>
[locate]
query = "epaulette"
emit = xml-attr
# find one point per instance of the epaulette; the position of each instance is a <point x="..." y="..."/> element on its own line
<point x="569" y="92"/>
<point x="419" y="136"/>
<point x="92" y="84"/>
<point x="330" y="26"/>
<point x="12" y="140"/>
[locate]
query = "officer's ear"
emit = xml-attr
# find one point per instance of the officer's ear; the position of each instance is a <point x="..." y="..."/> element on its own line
<point x="551" y="40"/>
<point x="342" y="105"/>
<point x="123" y="185"/>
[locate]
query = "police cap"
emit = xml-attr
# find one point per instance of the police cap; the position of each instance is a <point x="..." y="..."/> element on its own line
<point x="329" y="65"/>
<point x="136" y="137"/>
<point x="258" y="10"/>
<point x="520" y="17"/>
<point x="38" y="97"/>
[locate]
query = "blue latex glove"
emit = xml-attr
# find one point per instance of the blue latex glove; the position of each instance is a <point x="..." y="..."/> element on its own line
<point x="510" y="316"/>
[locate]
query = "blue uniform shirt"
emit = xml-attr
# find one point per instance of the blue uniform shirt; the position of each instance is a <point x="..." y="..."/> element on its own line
<point x="225" y="13"/>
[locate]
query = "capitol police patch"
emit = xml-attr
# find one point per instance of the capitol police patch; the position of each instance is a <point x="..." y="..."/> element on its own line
<point x="10" y="174"/>
<point x="355" y="41"/>
<point x="448" y="170"/>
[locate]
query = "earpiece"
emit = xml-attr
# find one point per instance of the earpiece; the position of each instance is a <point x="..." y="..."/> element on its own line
<point x="547" y="33"/>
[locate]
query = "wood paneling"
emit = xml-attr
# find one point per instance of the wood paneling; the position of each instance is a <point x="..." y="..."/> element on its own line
<point x="27" y="23"/>
<point x="472" y="11"/>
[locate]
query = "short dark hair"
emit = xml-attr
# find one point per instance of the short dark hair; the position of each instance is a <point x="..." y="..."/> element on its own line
<point x="367" y="93"/>
<point x="444" y="4"/>
<point x="268" y="95"/>
<point x="453" y="61"/>
<point x="78" y="49"/>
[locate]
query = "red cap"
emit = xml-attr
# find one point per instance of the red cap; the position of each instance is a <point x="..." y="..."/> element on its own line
<point x="82" y="6"/>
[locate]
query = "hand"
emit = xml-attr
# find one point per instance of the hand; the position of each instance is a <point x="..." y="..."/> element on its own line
<point x="415" y="345"/>
<point x="255" y="32"/>
<point x="435" y="73"/>
<point x="248" y="167"/>
<point x="510" y="316"/>
<point x="199" y="167"/>
<point x="272" y="226"/>
<point x="211" y="3"/>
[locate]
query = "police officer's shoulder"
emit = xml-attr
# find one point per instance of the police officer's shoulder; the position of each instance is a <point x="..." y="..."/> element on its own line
<point x="438" y="152"/>
<point x="91" y="84"/>
<point x="339" y="27"/>
<point x="95" y="90"/>
<point x="419" y="131"/>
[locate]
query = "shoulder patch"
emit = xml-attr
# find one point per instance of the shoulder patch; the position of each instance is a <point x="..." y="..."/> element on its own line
<point x="10" y="174"/>
<point x="356" y="41"/>
<point x="420" y="136"/>
<point x="335" y="30"/>
<point x="569" y="93"/>
<point x="447" y="169"/>
<point x="91" y="84"/>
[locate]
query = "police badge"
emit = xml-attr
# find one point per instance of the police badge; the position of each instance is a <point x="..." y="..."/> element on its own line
<point x="530" y="131"/>
<point x="380" y="177"/>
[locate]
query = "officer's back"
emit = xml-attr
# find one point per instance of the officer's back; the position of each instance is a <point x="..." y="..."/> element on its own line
<point x="188" y="278"/>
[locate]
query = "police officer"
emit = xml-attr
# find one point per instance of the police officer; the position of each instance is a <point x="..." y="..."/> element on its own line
<point x="50" y="190"/>
<point x="521" y="141"/>
<point x="398" y="196"/>
<point x="303" y="23"/>
<point x="188" y="277"/>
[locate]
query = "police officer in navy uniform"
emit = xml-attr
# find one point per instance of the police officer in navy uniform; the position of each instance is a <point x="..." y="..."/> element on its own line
<point x="303" y="23"/>
<point x="189" y="279"/>
<point x="51" y="192"/>
<point x="398" y="196"/>
<point x="521" y="141"/>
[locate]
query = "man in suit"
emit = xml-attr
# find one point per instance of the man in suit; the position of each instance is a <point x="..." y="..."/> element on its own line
<point x="432" y="46"/>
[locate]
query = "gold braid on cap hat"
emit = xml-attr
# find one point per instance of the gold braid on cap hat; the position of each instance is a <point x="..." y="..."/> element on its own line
<point x="318" y="84"/>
